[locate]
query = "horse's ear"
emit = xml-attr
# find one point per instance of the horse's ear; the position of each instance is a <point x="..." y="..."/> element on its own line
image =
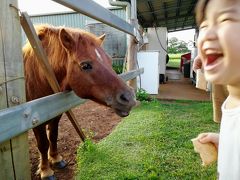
<point x="41" y="36"/>
<point x="66" y="40"/>
<point x="42" y="32"/>
<point x="102" y="37"/>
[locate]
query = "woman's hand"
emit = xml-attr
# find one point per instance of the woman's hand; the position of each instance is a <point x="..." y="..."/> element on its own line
<point x="197" y="63"/>
<point x="209" y="137"/>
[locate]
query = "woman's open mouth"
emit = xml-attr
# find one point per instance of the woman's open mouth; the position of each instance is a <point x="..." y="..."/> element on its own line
<point x="212" y="60"/>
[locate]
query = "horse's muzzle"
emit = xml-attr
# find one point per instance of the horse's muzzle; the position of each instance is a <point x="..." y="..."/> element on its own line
<point x="124" y="102"/>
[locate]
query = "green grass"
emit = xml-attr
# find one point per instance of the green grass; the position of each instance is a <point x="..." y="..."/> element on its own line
<point x="174" y="60"/>
<point x="153" y="142"/>
<point x="175" y="56"/>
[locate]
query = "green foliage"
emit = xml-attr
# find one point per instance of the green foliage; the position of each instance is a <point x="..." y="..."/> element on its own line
<point x="88" y="145"/>
<point x="118" y="68"/>
<point x="153" y="142"/>
<point x="175" y="56"/>
<point x="174" y="60"/>
<point x="177" y="46"/>
<point x="142" y="95"/>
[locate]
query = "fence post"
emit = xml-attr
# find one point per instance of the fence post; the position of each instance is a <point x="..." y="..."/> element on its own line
<point x="132" y="60"/>
<point x="132" y="46"/>
<point x="14" y="154"/>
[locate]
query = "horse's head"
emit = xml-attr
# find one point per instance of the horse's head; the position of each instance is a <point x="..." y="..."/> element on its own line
<point x="90" y="74"/>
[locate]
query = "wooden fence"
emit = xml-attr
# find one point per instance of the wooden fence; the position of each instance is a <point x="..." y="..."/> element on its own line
<point x="16" y="116"/>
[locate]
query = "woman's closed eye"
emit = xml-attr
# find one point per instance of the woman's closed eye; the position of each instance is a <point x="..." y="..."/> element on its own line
<point x="226" y="19"/>
<point x="203" y="25"/>
<point x="228" y="16"/>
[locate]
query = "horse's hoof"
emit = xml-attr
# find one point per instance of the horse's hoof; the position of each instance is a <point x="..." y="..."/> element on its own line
<point x="49" y="178"/>
<point x="60" y="165"/>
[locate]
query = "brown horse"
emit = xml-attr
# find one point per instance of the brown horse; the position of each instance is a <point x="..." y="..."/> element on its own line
<point x="80" y="64"/>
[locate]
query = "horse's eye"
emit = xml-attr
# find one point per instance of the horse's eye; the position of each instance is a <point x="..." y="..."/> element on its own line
<point x="85" y="66"/>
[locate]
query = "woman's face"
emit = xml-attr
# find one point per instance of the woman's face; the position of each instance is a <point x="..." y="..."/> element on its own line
<point x="219" y="42"/>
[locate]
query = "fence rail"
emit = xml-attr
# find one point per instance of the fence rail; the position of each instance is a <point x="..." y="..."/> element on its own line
<point x="95" y="11"/>
<point x="21" y="118"/>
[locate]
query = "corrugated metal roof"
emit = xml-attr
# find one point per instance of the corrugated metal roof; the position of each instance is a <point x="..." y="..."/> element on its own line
<point x="173" y="14"/>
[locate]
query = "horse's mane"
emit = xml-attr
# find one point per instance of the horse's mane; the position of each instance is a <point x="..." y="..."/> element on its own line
<point x="50" y="42"/>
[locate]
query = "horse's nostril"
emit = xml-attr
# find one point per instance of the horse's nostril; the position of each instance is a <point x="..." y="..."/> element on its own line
<point x="124" y="97"/>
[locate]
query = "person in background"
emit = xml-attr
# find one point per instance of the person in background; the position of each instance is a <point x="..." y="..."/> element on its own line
<point x="219" y="51"/>
<point x="219" y="93"/>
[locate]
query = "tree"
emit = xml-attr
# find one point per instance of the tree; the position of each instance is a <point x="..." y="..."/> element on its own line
<point x="176" y="46"/>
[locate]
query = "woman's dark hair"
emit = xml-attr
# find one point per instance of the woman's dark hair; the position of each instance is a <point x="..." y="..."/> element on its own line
<point x="200" y="11"/>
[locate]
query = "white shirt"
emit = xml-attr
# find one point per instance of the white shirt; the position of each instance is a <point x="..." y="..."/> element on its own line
<point x="229" y="144"/>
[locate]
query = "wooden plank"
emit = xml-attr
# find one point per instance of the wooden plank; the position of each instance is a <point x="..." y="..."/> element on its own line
<point x="132" y="56"/>
<point x="12" y="93"/>
<point x="21" y="118"/>
<point x="6" y="170"/>
<point x="14" y="163"/>
<point x="20" y="155"/>
<point x="5" y="149"/>
<point x="131" y="74"/>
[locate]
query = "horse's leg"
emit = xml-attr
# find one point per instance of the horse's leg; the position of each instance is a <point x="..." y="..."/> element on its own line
<point x="54" y="157"/>
<point x="43" y="145"/>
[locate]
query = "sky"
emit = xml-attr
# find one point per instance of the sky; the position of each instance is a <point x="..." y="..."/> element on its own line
<point x="48" y="6"/>
<point x="186" y="35"/>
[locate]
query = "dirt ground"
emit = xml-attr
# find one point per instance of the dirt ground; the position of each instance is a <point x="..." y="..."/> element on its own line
<point x="94" y="119"/>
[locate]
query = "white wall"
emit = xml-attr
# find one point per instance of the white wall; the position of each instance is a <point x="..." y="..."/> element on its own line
<point x="150" y="78"/>
<point x="154" y="44"/>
